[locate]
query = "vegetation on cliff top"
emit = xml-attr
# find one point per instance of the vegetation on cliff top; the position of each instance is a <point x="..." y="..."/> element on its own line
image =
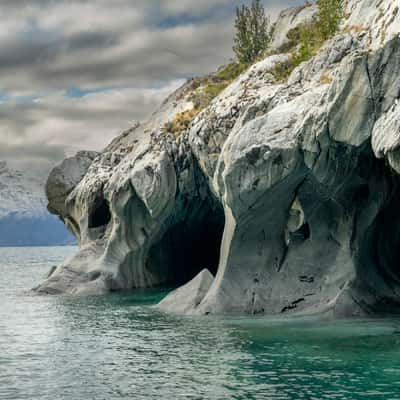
<point x="251" y="43"/>
<point x="305" y="40"/>
<point x="202" y="91"/>
<point x="252" y="38"/>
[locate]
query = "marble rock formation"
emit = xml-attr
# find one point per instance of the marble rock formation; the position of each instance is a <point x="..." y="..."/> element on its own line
<point x="286" y="192"/>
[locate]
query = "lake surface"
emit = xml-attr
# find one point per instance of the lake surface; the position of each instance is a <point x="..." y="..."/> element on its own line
<point x="117" y="347"/>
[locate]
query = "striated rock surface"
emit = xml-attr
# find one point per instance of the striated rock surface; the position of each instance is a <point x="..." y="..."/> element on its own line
<point x="286" y="193"/>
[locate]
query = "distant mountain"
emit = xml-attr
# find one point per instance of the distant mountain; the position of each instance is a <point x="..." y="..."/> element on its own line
<point x="24" y="219"/>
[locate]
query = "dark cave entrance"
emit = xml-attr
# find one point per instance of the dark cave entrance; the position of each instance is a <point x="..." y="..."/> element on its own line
<point x="100" y="214"/>
<point x="189" y="246"/>
<point x="302" y="234"/>
<point x="378" y="246"/>
<point x="384" y="243"/>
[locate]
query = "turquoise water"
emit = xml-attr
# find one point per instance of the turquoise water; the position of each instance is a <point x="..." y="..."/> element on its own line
<point x="117" y="347"/>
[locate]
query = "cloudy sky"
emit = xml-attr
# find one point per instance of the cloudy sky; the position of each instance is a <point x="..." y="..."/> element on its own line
<point x="75" y="73"/>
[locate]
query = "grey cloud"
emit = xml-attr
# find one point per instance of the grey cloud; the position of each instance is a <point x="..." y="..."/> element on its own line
<point x="71" y="124"/>
<point x="17" y="54"/>
<point x="91" y="40"/>
<point x="42" y="151"/>
<point x="26" y="52"/>
<point x="35" y="159"/>
<point x="138" y="49"/>
<point x="113" y="56"/>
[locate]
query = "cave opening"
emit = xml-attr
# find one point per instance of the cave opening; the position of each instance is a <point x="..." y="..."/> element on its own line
<point x="100" y="214"/>
<point x="189" y="246"/>
<point x="385" y="244"/>
<point x="378" y="249"/>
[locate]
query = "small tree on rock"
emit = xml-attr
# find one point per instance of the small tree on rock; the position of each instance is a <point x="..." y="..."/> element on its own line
<point x="253" y="32"/>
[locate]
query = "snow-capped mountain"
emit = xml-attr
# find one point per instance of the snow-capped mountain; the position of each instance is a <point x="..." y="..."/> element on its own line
<point x="24" y="219"/>
<point x="21" y="195"/>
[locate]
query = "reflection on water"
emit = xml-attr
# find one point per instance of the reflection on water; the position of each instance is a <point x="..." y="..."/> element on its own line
<point x="117" y="347"/>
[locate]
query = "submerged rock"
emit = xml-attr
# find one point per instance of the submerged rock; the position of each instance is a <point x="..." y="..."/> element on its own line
<point x="285" y="191"/>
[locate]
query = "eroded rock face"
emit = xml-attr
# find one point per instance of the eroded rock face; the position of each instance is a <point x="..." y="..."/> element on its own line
<point x="286" y="192"/>
<point x="63" y="179"/>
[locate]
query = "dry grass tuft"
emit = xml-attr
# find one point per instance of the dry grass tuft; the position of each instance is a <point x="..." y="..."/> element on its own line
<point x="325" y="79"/>
<point x="181" y="122"/>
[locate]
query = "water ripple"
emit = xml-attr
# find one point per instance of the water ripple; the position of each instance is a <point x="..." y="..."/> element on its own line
<point x="117" y="347"/>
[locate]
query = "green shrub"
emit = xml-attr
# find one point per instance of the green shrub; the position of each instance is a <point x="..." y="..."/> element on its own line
<point x="212" y="90"/>
<point x="282" y="70"/>
<point x="231" y="71"/>
<point x="330" y="13"/>
<point x="293" y="37"/>
<point x="202" y="97"/>
<point x="214" y="84"/>
<point x="253" y="32"/>
<point x="201" y="92"/>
